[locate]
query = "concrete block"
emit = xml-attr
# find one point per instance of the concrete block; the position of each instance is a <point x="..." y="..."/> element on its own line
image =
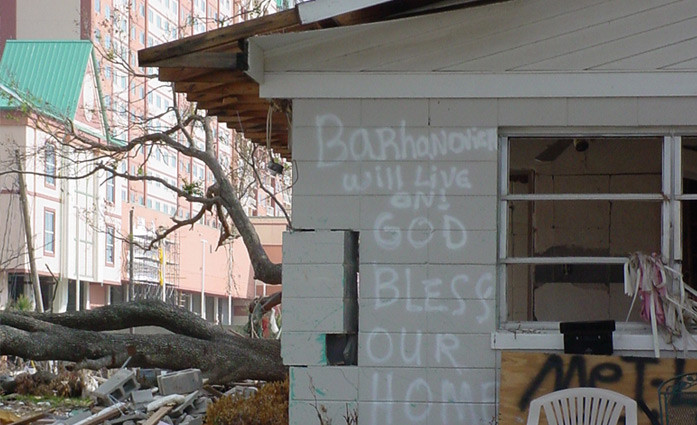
<point x="426" y="385"/>
<point x="667" y="111"/>
<point x="320" y="280"/>
<point x="603" y="111"/>
<point x="319" y="247"/>
<point x="451" y="143"/>
<point x="326" y="212"/>
<point x="427" y="315"/>
<point x="192" y="420"/>
<point x="200" y="406"/>
<point x="327" y="315"/>
<point x="426" y="413"/>
<point x="118" y="387"/>
<point x="528" y="112"/>
<point x="480" y="249"/>
<point x="391" y="245"/>
<point x="305" y="413"/>
<point x="303" y="348"/>
<point x="306" y="111"/>
<point x="394" y="112"/>
<point x="180" y="382"/>
<point x="141" y="398"/>
<point x="188" y="402"/>
<point x="463" y="112"/>
<point x="387" y="282"/>
<point x="428" y="350"/>
<point x="322" y="383"/>
<point x="435" y="281"/>
<point x="332" y="179"/>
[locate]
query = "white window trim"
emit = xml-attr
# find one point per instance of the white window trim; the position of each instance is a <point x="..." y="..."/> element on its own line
<point x="629" y="338"/>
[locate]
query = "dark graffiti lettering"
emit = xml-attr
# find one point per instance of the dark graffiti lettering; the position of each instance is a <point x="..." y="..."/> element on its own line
<point x="605" y="373"/>
<point x="640" y="367"/>
<point x="610" y="372"/>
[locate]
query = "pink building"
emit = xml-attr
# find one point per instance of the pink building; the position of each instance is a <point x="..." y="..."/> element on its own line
<point x="215" y="283"/>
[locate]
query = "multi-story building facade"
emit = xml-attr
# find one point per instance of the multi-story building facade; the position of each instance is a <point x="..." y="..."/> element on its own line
<point x="216" y="283"/>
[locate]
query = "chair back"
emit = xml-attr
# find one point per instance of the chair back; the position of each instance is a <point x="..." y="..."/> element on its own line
<point x="583" y="406"/>
<point x="677" y="399"/>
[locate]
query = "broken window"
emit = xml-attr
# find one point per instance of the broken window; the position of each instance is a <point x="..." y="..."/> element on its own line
<point x="574" y="209"/>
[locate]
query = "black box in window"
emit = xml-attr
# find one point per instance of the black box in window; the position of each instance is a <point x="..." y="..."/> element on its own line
<point x="588" y="337"/>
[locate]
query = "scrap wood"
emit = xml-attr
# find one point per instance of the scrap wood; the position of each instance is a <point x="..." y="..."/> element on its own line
<point x="161" y="412"/>
<point x="103" y="415"/>
<point x="212" y="391"/>
<point x="32" y="418"/>
<point x="7" y="417"/>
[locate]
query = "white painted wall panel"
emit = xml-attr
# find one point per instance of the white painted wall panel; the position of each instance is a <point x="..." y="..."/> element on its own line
<point x="515" y="35"/>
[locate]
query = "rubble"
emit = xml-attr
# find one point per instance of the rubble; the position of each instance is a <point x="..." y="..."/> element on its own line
<point x="181" y="398"/>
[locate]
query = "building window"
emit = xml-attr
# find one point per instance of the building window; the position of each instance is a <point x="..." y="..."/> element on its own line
<point x="109" y="245"/>
<point x="50" y="165"/>
<point x="97" y="6"/>
<point x="110" y="189"/>
<point x="574" y="209"/>
<point x="49" y="231"/>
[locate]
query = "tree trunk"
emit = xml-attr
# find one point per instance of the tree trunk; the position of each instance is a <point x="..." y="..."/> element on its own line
<point x="80" y="337"/>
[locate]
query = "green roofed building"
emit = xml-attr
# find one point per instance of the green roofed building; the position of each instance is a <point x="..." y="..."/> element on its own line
<point x="49" y="93"/>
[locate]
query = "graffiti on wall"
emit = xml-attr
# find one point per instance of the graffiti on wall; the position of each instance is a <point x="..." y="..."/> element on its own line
<point x="526" y="376"/>
<point x="422" y="368"/>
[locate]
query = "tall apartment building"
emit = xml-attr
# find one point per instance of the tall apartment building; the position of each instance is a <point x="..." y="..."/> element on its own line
<point x="217" y="283"/>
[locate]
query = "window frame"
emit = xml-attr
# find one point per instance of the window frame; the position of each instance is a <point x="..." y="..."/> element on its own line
<point x="50" y="165"/>
<point x="110" y="233"/>
<point x="111" y="189"/>
<point x="671" y="241"/>
<point x="52" y="251"/>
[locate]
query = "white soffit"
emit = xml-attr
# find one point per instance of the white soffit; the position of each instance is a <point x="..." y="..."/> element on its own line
<point x="317" y="10"/>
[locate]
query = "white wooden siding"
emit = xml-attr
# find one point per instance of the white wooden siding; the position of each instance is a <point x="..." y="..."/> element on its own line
<point x="518" y="35"/>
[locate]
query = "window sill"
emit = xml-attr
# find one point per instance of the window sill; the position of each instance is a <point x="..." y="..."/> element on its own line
<point x="624" y="342"/>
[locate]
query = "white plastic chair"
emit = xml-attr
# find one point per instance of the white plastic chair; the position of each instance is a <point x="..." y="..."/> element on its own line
<point x="583" y="406"/>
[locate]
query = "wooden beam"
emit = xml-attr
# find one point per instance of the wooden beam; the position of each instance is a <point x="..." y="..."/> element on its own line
<point x="203" y="93"/>
<point x="219" y="37"/>
<point x="201" y="75"/>
<point x="208" y="60"/>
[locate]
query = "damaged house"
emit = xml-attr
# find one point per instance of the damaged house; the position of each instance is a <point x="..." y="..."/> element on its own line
<point x="469" y="174"/>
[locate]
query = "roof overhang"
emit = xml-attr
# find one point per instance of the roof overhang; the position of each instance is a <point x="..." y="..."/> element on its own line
<point x="221" y="69"/>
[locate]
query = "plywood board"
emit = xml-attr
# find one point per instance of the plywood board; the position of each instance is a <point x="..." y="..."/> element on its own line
<point x="526" y="376"/>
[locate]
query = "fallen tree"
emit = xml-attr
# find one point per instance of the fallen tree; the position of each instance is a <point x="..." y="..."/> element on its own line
<point x="191" y="342"/>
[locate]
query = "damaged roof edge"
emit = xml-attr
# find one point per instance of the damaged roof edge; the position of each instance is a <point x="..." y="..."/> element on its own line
<point x="318" y="10"/>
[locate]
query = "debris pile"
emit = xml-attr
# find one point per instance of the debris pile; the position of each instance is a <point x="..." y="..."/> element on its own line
<point x="128" y="398"/>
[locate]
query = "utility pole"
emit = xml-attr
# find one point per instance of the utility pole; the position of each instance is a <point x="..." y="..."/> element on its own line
<point x="130" y="290"/>
<point x="29" y="235"/>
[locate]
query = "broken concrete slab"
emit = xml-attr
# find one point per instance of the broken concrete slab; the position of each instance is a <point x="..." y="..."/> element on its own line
<point x="142" y="398"/>
<point x="180" y="382"/>
<point x="192" y="420"/>
<point x="188" y="402"/>
<point x="118" y="387"/>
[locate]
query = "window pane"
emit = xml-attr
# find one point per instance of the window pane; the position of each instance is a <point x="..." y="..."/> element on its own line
<point x="689" y="165"/>
<point x="49" y="232"/>
<point x="567" y="292"/>
<point x="574" y="165"/>
<point x="689" y="241"/>
<point x="583" y="228"/>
